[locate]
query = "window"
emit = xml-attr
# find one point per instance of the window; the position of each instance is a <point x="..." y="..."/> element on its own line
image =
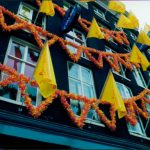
<point x="133" y="36"/>
<point x="120" y="29"/>
<point x="76" y="37"/>
<point x="148" y="50"/>
<point x="31" y="15"/>
<point x="148" y="105"/>
<point x="122" y="72"/>
<point x="126" y="93"/>
<point x="81" y="83"/>
<point x="99" y="13"/>
<point x="22" y="57"/>
<point x="66" y="5"/>
<point x="138" y="77"/>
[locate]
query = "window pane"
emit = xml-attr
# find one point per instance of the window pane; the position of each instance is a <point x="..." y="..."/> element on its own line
<point x="32" y="56"/>
<point x="78" y="35"/>
<point x="32" y="91"/>
<point x="78" y="42"/>
<point x="86" y="76"/>
<point x="75" y="87"/>
<point x="29" y="70"/>
<point x="9" y="92"/>
<point x="17" y="50"/>
<point x="25" y="12"/>
<point x="121" y="90"/>
<point x="138" y="77"/>
<point x="88" y="91"/>
<point x="73" y="70"/>
<point x="14" y="63"/>
<point x="137" y="128"/>
<point x="72" y="49"/>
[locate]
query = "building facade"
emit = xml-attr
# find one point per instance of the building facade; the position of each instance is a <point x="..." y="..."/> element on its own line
<point x="20" y="50"/>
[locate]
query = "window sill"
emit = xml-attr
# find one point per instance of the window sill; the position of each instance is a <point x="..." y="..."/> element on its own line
<point x="11" y="101"/>
<point x="89" y="121"/>
<point x="139" y="135"/>
<point x="120" y="75"/>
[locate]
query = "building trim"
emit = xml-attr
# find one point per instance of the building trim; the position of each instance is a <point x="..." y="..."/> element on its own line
<point x="45" y="131"/>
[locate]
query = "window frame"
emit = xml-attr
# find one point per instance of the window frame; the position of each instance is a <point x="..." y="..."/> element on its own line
<point x="88" y="120"/>
<point x="138" y="71"/>
<point x="108" y="49"/>
<point x="83" y="41"/>
<point x="99" y="13"/>
<point x="27" y="47"/>
<point x="33" y="9"/>
<point x="138" y="117"/>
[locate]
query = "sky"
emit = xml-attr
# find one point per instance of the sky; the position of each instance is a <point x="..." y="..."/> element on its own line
<point x="141" y="8"/>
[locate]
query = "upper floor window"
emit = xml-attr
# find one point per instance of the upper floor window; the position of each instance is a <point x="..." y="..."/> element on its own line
<point x="148" y="105"/>
<point x="76" y="37"/>
<point x="67" y="5"/>
<point x="22" y="57"/>
<point x="31" y="15"/>
<point x="81" y="83"/>
<point x="25" y="12"/>
<point x="99" y="13"/>
<point x="133" y="36"/>
<point x="148" y="50"/>
<point x="127" y="93"/>
<point x="121" y="72"/>
<point x="139" y="77"/>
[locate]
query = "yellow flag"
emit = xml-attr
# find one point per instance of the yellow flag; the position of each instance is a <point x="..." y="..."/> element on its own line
<point x="95" y="31"/>
<point x="124" y="22"/>
<point x="137" y="57"/>
<point x="111" y="94"/>
<point x="117" y="6"/>
<point x="133" y="19"/>
<point x="87" y="0"/>
<point x="146" y="28"/>
<point x="44" y="73"/>
<point x="143" y="38"/>
<point x="47" y="7"/>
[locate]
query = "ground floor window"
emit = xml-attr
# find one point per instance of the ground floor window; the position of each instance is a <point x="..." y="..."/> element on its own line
<point x="81" y="82"/>
<point x="21" y="56"/>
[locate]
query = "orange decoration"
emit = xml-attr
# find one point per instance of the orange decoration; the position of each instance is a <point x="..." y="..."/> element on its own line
<point x="130" y="104"/>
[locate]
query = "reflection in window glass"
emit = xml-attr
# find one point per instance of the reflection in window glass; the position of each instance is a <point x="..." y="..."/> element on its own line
<point x="14" y="63"/>
<point x="17" y="50"/>
<point x="126" y="93"/>
<point x="32" y="56"/>
<point x="23" y="59"/>
<point x="9" y="92"/>
<point x="81" y="83"/>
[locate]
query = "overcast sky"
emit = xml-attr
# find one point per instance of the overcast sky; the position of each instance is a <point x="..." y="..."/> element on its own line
<point x="141" y="9"/>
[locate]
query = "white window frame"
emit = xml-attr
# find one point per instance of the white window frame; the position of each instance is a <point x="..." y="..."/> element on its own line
<point x="138" y="72"/>
<point x="148" y="50"/>
<point x="27" y="45"/>
<point x="122" y="72"/>
<point x="83" y="41"/>
<point x="22" y="4"/>
<point x="99" y="13"/>
<point x="138" y="117"/>
<point x="43" y="23"/>
<point x="88" y="120"/>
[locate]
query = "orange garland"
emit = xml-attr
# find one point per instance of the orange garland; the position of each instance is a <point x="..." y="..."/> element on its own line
<point x="117" y="36"/>
<point x="131" y="106"/>
<point x="36" y="31"/>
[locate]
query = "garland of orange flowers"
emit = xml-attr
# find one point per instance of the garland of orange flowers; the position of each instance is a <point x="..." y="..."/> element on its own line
<point x="36" y="31"/>
<point x="117" y="36"/>
<point x="130" y="104"/>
